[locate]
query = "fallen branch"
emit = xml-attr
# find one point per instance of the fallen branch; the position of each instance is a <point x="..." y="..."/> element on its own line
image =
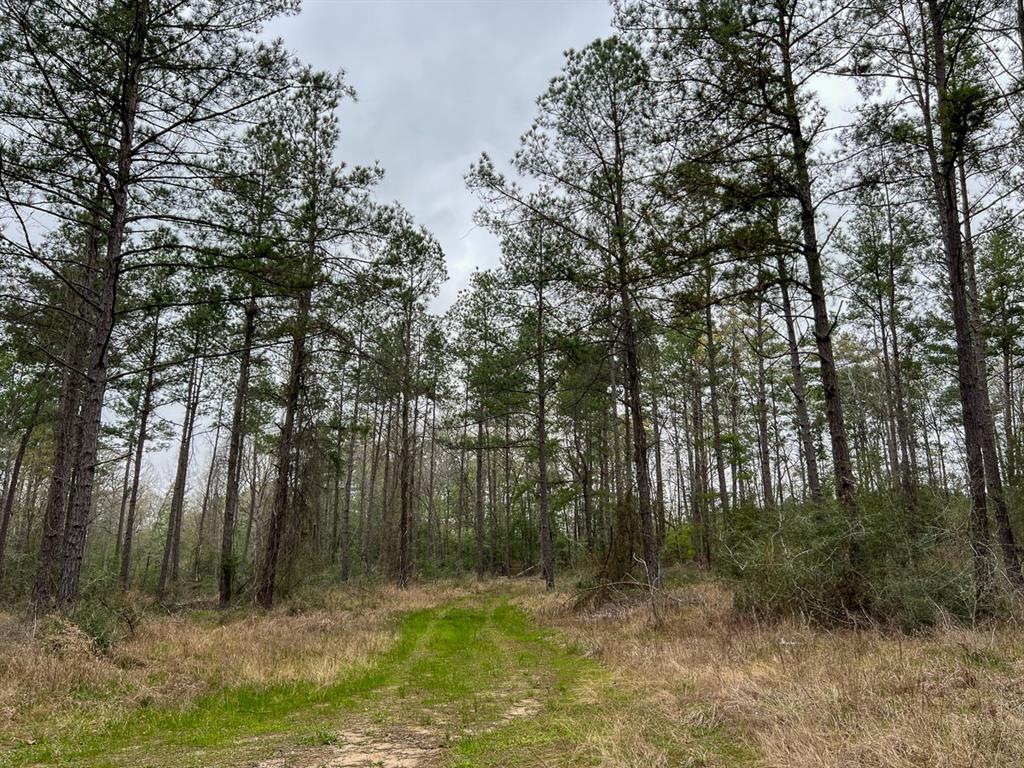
<point x="533" y="567"/>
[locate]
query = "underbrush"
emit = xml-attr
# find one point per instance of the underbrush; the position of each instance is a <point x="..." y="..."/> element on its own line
<point x="802" y="695"/>
<point x="913" y="570"/>
<point x="698" y="682"/>
<point x="73" y="674"/>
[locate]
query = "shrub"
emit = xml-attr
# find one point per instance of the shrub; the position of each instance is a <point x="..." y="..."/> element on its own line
<point x="107" y="620"/>
<point x="913" y="569"/>
<point x="678" y="545"/>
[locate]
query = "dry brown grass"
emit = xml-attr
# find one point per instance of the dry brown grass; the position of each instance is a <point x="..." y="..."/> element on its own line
<point x="51" y="671"/>
<point x="808" y="698"/>
<point x="799" y="696"/>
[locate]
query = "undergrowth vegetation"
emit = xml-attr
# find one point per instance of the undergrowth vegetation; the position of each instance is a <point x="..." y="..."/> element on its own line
<point x="504" y="674"/>
<point x="913" y="569"/>
<point x="79" y="674"/>
<point x="793" y="693"/>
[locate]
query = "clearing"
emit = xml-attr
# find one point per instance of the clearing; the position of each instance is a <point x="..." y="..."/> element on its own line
<point x="502" y="674"/>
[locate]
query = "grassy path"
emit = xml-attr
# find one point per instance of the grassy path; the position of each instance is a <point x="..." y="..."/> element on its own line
<point x="469" y="683"/>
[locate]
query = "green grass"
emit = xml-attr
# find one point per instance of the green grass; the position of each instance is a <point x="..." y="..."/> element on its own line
<point x="457" y="669"/>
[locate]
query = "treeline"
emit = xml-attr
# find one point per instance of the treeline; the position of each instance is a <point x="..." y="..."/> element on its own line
<point x="734" y="322"/>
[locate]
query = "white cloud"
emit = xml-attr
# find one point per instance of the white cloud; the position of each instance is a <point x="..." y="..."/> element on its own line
<point x="438" y="83"/>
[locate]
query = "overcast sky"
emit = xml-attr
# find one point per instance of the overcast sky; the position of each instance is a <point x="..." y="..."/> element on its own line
<point x="439" y="82"/>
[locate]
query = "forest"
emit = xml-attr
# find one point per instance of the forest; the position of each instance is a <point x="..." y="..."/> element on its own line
<point x="750" y="357"/>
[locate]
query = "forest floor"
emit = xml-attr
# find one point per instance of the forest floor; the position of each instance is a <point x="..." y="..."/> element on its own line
<point x="503" y="674"/>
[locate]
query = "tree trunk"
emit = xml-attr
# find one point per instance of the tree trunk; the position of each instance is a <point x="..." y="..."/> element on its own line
<point x="463" y="485"/>
<point x="367" y="445"/>
<point x="622" y="530"/>
<point x="346" y="514"/>
<point x="698" y="485"/>
<point x="584" y="480"/>
<point x="378" y="446"/>
<point x="1008" y="425"/>
<point x="62" y="467"/>
<point x="168" y="567"/>
<point x="547" y="555"/>
<point x="79" y="507"/>
<point x="126" y="484"/>
<point x="845" y="481"/>
<point x="492" y="504"/>
<point x="944" y="184"/>
<point x="140" y="448"/>
<point x="210" y="478"/>
<point x="19" y="457"/>
<point x="432" y="522"/>
<point x="257" y="488"/>
<point x="989" y="450"/>
<point x="908" y="479"/>
<point x="406" y="459"/>
<point x="384" y="529"/>
<point x="285" y="451"/>
<point x="631" y="348"/>
<point x="226" y="572"/>
<point x="613" y="365"/>
<point x="506" y="491"/>
<point x="95" y="380"/>
<point x="479" y="519"/>
<point x="639" y="435"/>
<point x="716" y="426"/>
<point x="799" y="389"/>
<point x="762" y="411"/>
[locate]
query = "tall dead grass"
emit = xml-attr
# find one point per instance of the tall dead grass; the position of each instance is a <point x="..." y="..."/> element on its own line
<point x="808" y="698"/>
<point x="800" y="696"/>
<point x="51" y="671"/>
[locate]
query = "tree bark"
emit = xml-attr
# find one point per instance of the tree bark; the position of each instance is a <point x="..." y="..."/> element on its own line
<point x="285" y="451"/>
<point x="95" y="379"/>
<point x="944" y="187"/>
<point x="639" y="435"/>
<point x="843" y="468"/>
<point x="226" y="571"/>
<point x="631" y="349"/>
<point x="346" y="514"/>
<point x="506" y="493"/>
<point x="12" y="486"/>
<point x="547" y="556"/>
<point x="908" y="478"/>
<point x="406" y="458"/>
<point x="989" y="450"/>
<point x="433" y="525"/>
<point x="1008" y="422"/>
<point x="803" y="418"/>
<point x="45" y="586"/>
<point x="716" y="426"/>
<point x="140" y="447"/>
<point x="762" y="412"/>
<point x="479" y="518"/>
<point x="205" y="508"/>
<point x="378" y="446"/>
<point x="463" y="488"/>
<point x="126" y="484"/>
<point x="168" y="564"/>
<point x="698" y="485"/>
